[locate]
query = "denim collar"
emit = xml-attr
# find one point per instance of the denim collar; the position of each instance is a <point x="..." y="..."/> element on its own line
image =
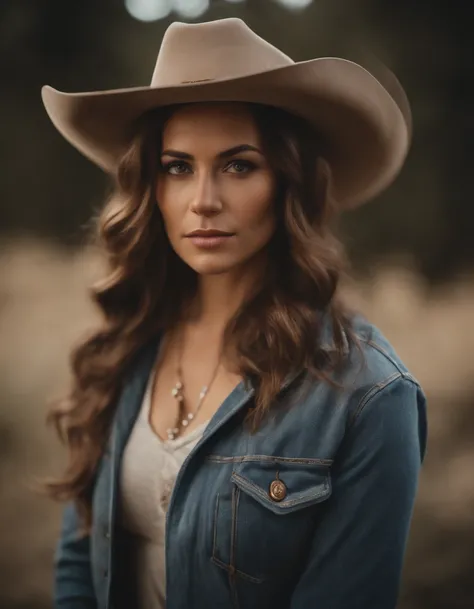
<point x="327" y="336"/>
<point x="132" y="395"/>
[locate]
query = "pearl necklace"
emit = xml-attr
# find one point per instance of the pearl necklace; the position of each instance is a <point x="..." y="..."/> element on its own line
<point x="183" y="419"/>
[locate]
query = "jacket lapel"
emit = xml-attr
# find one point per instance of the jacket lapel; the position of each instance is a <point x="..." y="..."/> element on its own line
<point x="127" y="410"/>
<point x="132" y="395"/>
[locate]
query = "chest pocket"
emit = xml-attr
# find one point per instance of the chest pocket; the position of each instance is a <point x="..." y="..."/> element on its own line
<point x="264" y="519"/>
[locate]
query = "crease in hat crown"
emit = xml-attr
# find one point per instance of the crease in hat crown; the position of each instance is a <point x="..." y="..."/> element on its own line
<point x="215" y="50"/>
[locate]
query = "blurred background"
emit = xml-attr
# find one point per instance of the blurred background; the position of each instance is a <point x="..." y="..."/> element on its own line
<point x="412" y="250"/>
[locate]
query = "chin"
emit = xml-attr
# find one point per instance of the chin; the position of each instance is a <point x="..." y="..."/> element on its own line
<point x="212" y="265"/>
<point x="212" y="268"/>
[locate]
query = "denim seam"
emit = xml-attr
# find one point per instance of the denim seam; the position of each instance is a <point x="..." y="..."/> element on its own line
<point x="268" y="459"/>
<point x="217" y="561"/>
<point x="223" y="566"/>
<point x="214" y="536"/>
<point x="373" y="392"/>
<point x="235" y="506"/>
<point x="233" y="535"/>
<point x="381" y="350"/>
<point x="282" y="504"/>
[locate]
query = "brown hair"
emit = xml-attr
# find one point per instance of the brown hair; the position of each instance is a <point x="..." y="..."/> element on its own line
<point x="276" y="332"/>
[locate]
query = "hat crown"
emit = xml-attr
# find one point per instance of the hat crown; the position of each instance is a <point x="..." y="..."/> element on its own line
<point x="215" y="50"/>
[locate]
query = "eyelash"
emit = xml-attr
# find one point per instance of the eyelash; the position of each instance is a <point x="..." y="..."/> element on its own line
<point x="248" y="166"/>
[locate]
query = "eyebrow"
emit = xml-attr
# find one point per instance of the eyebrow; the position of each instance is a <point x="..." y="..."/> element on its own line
<point x="222" y="155"/>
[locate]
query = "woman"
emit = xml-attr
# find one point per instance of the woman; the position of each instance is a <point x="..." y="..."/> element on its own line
<point x="228" y="395"/>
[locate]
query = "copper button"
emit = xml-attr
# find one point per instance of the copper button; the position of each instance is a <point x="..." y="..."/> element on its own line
<point x="277" y="490"/>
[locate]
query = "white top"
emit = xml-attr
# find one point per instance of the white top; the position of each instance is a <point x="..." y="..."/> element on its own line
<point x="148" y="474"/>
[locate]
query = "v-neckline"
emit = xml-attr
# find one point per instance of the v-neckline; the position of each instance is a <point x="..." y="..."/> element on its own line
<point x="182" y="440"/>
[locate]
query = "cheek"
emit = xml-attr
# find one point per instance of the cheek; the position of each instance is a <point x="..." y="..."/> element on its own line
<point x="168" y="204"/>
<point x="256" y="210"/>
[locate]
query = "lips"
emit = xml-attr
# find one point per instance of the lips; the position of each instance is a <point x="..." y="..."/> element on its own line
<point x="209" y="239"/>
<point x="209" y="233"/>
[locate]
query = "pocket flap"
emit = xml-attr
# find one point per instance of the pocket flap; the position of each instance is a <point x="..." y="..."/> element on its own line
<point x="300" y="483"/>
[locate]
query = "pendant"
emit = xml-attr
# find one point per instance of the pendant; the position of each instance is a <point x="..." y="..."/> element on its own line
<point x="172" y="433"/>
<point x="185" y="422"/>
<point x="177" y="393"/>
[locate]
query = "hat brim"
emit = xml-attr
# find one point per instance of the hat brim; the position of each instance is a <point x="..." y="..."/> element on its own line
<point x="366" y="132"/>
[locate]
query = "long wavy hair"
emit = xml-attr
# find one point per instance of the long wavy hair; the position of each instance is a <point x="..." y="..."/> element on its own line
<point x="275" y="332"/>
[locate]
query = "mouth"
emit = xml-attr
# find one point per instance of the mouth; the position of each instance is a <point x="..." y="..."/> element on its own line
<point x="208" y="233"/>
<point x="209" y="239"/>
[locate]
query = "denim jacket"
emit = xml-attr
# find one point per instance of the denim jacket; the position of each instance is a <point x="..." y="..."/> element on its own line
<point x="310" y="512"/>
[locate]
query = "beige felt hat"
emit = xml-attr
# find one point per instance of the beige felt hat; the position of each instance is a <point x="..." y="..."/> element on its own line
<point x="366" y="126"/>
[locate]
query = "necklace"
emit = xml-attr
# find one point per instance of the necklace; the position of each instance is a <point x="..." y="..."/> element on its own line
<point x="183" y="419"/>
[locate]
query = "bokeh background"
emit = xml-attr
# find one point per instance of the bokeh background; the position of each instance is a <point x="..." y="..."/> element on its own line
<point x="412" y="250"/>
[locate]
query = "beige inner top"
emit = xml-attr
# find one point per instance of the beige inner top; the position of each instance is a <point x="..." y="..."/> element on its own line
<point x="149" y="469"/>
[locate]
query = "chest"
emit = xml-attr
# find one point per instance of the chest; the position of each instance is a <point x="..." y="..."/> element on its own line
<point x="200" y="377"/>
<point x="244" y="505"/>
<point x="249" y="518"/>
<point x="148" y="471"/>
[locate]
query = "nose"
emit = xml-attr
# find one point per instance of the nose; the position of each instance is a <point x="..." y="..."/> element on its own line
<point x="206" y="201"/>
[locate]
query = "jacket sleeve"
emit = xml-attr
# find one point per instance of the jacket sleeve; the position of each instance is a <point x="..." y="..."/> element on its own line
<point x="73" y="587"/>
<point x="357" y="552"/>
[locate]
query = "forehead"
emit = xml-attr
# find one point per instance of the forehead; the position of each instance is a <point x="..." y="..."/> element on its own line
<point x="220" y="125"/>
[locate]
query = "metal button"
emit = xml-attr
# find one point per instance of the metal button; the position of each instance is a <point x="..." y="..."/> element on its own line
<point x="277" y="490"/>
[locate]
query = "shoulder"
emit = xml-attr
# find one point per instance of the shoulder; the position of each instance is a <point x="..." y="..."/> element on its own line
<point x="370" y="366"/>
<point x="377" y="356"/>
<point x="371" y="383"/>
<point x="378" y="385"/>
<point x="371" y="402"/>
<point x="371" y="361"/>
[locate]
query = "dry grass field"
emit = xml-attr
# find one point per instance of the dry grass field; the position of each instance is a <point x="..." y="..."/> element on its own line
<point x="43" y="311"/>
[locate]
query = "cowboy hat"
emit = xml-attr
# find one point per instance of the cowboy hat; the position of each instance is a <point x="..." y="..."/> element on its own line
<point x="365" y="127"/>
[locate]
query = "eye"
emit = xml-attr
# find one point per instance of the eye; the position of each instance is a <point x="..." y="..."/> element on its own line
<point x="176" y="168"/>
<point x="240" y="166"/>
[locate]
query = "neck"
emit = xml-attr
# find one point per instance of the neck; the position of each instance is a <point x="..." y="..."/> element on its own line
<point x="219" y="297"/>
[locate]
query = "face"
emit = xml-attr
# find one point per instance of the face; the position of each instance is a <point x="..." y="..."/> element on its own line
<point x="215" y="188"/>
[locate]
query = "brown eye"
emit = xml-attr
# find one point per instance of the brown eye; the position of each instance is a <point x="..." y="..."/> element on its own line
<point x="176" y="168"/>
<point x="240" y="166"/>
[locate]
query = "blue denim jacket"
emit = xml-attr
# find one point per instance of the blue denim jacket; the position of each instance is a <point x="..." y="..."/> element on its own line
<point x="332" y="536"/>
